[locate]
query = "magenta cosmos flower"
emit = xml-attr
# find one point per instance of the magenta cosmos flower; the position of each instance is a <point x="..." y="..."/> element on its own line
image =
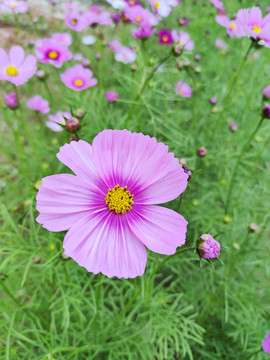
<point x="182" y="88"/>
<point x="52" y="52"/>
<point x="14" y="6"/>
<point x="38" y="104"/>
<point x="111" y="96"/>
<point x="266" y="343"/>
<point x="77" y="78"/>
<point x="165" y="37"/>
<point x="15" y="68"/>
<point x="208" y="247"/>
<point x="107" y="205"/>
<point x="58" y="119"/>
<point x="143" y="32"/>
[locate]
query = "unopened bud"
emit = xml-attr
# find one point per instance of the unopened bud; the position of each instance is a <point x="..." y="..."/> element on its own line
<point x="208" y="247"/>
<point x="253" y="227"/>
<point x="11" y="100"/>
<point x="187" y="171"/>
<point x="266" y="111"/>
<point x="202" y="151"/>
<point x="79" y="113"/>
<point x="41" y="74"/>
<point x="177" y="50"/>
<point x="72" y="124"/>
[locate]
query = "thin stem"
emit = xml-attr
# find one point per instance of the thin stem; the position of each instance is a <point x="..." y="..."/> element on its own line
<point x="234" y="172"/>
<point x="180" y="202"/>
<point x="142" y="87"/>
<point x="250" y="356"/>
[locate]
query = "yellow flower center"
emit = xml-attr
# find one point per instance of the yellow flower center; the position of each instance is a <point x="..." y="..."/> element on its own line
<point x="256" y="29"/>
<point x="53" y="54"/>
<point x="156" y="4"/>
<point x="131" y="2"/>
<point x="165" y="38"/>
<point x="119" y="199"/>
<point x="78" y="82"/>
<point x="74" y="21"/>
<point x="181" y="91"/>
<point x="138" y="18"/>
<point x="12" y="71"/>
<point x="13" y="6"/>
<point x="232" y="26"/>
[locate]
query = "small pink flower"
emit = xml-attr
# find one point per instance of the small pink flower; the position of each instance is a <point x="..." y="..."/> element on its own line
<point x="161" y="7"/>
<point x="77" y="78"/>
<point x="183" y="89"/>
<point x="62" y="38"/>
<point x="38" y="104"/>
<point x="14" y="6"/>
<point x="208" y="247"/>
<point x="266" y="343"/>
<point x="125" y="55"/>
<point x="15" y="68"/>
<point x="11" y="100"/>
<point x="217" y="3"/>
<point x="233" y="127"/>
<point x="111" y="96"/>
<point x="52" y="52"/>
<point x="183" y="39"/>
<point x="165" y="37"/>
<point x="140" y="16"/>
<point x="115" y="45"/>
<point x="220" y="44"/>
<point x="107" y="205"/>
<point x="76" y="21"/>
<point x="143" y="32"/>
<point x="266" y="92"/>
<point x="56" y="119"/>
<point x="96" y="16"/>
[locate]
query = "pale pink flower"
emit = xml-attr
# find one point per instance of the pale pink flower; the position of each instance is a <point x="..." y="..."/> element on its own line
<point x="56" y="119"/>
<point x="38" y="104"/>
<point x="183" y="89"/>
<point x="111" y="96"/>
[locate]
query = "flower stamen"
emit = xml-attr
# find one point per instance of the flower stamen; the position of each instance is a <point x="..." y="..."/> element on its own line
<point x="119" y="199"/>
<point x="12" y="71"/>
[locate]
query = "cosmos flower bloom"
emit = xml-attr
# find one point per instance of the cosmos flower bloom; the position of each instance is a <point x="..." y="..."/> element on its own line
<point x="11" y="100"/>
<point x="220" y="44"/>
<point x="15" y="68"/>
<point x="140" y="16"/>
<point x="217" y="3"/>
<point x="77" y="78"/>
<point x="143" y="32"/>
<point x="183" y="21"/>
<point x="160" y="7"/>
<point x="107" y="205"/>
<point x="266" y="92"/>
<point x="132" y="2"/>
<point x="38" y="104"/>
<point x="183" y="39"/>
<point x="182" y="88"/>
<point x="165" y="37"/>
<point x="266" y="343"/>
<point x="208" y="247"/>
<point x="125" y="55"/>
<point x="52" y="52"/>
<point x="95" y="15"/>
<point x="14" y="6"/>
<point x="56" y="119"/>
<point x="115" y="45"/>
<point x="76" y="20"/>
<point x="88" y="39"/>
<point x="62" y="38"/>
<point x="111" y="96"/>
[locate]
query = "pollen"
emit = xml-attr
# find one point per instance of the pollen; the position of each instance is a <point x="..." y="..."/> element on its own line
<point x="165" y="38"/>
<point x="156" y="5"/>
<point x="119" y="199"/>
<point x="138" y="18"/>
<point x="256" y="29"/>
<point x="78" y="82"/>
<point x="53" y="54"/>
<point x="74" y="21"/>
<point x="13" y="6"/>
<point x="12" y="71"/>
<point x="232" y="26"/>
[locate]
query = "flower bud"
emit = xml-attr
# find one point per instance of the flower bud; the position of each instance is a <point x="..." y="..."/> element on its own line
<point x="183" y="161"/>
<point x="208" y="247"/>
<point x="233" y="126"/>
<point x="227" y="219"/>
<point x="36" y="259"/>
<point x="116" y="17"/>
<point x="253" y="227"/>
<point x="177" y="50"/>
<point x="202" y="151"/>
<point x="197" y="57"/>
<point x="85" y="63"/>
<point x="187" y="171"/>
<point x="266" y="111"/>
<point x="72" y="124"/>
<point x="41" y="74"/>
<point x="79" y="113"/>
<point x="183" y="21"/>
<point x="11" y="100"/>
<point x="213" y="100"/>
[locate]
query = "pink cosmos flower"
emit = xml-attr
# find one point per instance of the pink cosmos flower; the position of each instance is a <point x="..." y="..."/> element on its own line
<point x="208" y="247"/>
<point x="76" y="21"/>
<point x="183" y="89"/>
<point x="111" y="96"/>
<point x="38" y="104"/>
<point x="52" y="52"/>
<point x="56" y="119"/>
<point x="140" y="16"/>
<point x="14" y="6"/>
<point x="96" y="16"/>
<point x="15" y="68"/>
<point x="266" y="92"/>
<point x="234" y="27"/>
<point x="115" y="45"/>
<point x="77" y="78"/>
<point x="62" y="38"/>
<point x="107" y="205"/>
<point x="143" y="32"/>
<point x="183" y="39"/>
<point x="160" y="7"/>
<point x="11" y="100"/>
<point x="125" y="55"/>
<point x="165" y="37"/>
<point x="266" y="343"/>
<point x="220" y="44"/>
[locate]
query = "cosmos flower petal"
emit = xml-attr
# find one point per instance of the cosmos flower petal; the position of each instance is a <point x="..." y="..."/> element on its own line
<point x="4" y="61"/>
<point x="102" y="242"/>
<point x="64" y="199"/>
<point x="16" y="55"/>
<point x="160" y="229"/>
<point x="79" y="158"/>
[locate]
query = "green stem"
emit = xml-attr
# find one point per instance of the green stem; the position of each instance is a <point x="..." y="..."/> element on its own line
<point x="180" y="202"/>
<point x="234" y="172"/>
<point x="142" y="87"/>
<point x="250" y="356"/>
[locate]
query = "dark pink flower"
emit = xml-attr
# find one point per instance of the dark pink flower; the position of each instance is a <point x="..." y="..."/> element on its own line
<point x="165" y="37"/>
<point x="208" y="247"/>
<point x="107" y="205"/>
<point x="77" y="78"/>
<point x="52" y="52"/>
<point x="143" y="32"/>
<point x="111" y="96"/>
